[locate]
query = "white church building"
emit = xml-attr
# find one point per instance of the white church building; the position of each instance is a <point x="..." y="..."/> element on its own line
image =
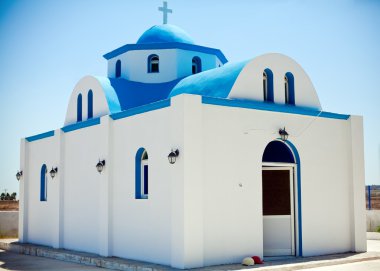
<point x="180" y="158"/>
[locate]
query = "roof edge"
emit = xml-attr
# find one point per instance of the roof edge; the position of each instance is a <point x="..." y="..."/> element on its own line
<point x="166" y="45"/>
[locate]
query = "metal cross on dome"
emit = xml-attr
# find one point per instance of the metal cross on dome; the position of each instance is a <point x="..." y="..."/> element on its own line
<point x="165" y="11"/>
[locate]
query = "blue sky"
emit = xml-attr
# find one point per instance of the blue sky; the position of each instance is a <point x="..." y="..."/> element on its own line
<point x="47" y="46"/>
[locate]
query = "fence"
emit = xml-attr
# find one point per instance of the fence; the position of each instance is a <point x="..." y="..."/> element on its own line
<point x="372" y="197"/>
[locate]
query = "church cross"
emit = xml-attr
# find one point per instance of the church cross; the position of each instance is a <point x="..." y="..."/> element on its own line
<point x="165" y="11"/>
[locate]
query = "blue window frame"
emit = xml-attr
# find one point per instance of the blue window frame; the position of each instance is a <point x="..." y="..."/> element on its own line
<point x="268" y="86"/>
<point x="196" y="65"/>
<point x="79" y="108"/>
<point x="90" y="109"/>
<point x="153" y="64"/>
<point x="141" y="174"/>
<point x="289" y="89"/>
<point x="43" y="183"/>
<point x="118" y="69"/>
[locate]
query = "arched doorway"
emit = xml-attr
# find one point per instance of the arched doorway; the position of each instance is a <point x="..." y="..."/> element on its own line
<point x="281" y="200"/>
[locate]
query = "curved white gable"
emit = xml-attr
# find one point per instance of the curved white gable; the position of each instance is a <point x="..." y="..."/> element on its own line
<point x="105" y="100"/>
<point x="249" y="83"/>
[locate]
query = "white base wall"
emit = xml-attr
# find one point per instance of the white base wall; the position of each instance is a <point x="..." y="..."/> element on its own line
<point x="205" y="209"/>
<point x="373" y="220"/>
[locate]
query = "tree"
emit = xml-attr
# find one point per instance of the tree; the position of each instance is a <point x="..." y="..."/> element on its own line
<point x="13" y="196"/>
<point x="2" y="197"/>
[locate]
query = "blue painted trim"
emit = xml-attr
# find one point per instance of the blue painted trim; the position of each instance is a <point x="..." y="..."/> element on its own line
<point x="272" y="107"/>
<point x="369" y="197"/>
<point x="138" y="158"/>
<point x="110" y="93"/>
<point x="43" y="183"/>
<point x="40" y="136"/>
<point x="299" y="201"/>
<point x="80" y="125"/>
<point x="334" y="115"/>
<point x="141" y="109"/>
<point x="166" y="45"/>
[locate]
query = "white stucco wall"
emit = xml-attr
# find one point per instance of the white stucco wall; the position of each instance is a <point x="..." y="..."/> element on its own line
<point x="206" y="208"/>
<point x="8" y="224"/>
<point x="42" y="216"/>
<point x="141" y="228"/>
<point x="249" y="84"/>
<point x="134" y="64"/>
<point x="100" y="105"/>
<point x="82" y="188"/>
<point x="185" y="59"/>
<point x="237" y="138"/>
<point x="373" y="220"/>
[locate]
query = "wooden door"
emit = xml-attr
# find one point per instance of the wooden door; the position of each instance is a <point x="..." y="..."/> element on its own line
<point x="278" y="211"/>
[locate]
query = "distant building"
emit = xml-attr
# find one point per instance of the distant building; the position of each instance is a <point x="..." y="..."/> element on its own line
<point x="234" y="188"/>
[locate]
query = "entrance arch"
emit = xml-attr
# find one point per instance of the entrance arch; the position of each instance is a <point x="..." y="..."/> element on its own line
<point x="281" y="183"/>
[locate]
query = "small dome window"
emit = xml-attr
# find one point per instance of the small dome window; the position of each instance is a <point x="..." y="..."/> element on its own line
<point x="118" y="69"/>
<point x="79" y="108"/>
<point x="268" y="85"/>
<point x="90" y="104"/>
<point x="141" y="174"/>
<point x="289" y="88"/>
<point x="153" y="64"/>
<point x="196" y="65"/>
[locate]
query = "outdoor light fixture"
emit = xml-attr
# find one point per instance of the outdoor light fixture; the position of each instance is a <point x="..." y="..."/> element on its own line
<point x="100" y="165"/>
<point x="172" y="157"/>
<point x="19" y="175"/>
<point x="284" y="134"/>
<point x="53" y="172"/>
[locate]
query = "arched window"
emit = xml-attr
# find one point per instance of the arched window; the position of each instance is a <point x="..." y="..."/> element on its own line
<point x="141" y="174"/>
<point x="79" y="108"/>
<point x="153" y="64"/>
<point x="196" y="65"/>
<point x="43" y="187"/>
<point x="268" y="86"/>
<point x="289" y="89"/>
<point x="90" y="109"/>
<point x="118" y="69"/>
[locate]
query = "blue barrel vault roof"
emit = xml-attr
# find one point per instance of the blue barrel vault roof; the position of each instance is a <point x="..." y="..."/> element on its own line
<point x="212" y="83"/>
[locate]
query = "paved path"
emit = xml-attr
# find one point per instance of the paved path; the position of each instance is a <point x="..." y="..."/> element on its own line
<point x="361" y="266"/>
<point x="369" y="261"/>
<point x="14" y="261"/>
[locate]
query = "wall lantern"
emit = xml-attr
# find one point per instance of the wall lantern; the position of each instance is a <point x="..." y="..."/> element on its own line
<point x="172" y="157"/>
<point x="19" y="175"/>
<point x="284" y="134"/>
<point x="100" y="165"/>
<point x="53" y="172"/>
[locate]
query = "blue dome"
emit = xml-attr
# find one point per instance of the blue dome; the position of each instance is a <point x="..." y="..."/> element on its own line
<point x="165" y="33"/>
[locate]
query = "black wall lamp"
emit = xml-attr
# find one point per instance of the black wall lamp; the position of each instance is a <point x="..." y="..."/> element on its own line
<point x="100" y="166"/>
<point x="53" y="172"/>
<point x="172" y="157"/>
<point x="19" y="175"/>
<point x="283" y="134"/>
